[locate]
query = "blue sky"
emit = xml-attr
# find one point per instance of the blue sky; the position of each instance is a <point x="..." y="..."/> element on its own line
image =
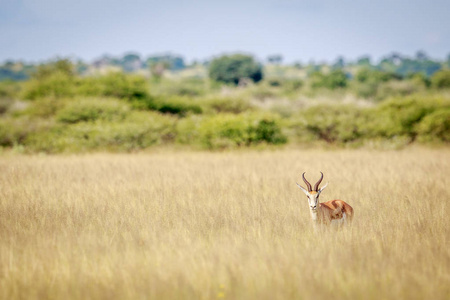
<point x="318" y="30"/>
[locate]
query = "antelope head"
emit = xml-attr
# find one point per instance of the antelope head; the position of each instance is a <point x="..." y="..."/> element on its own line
<point x="312" y="194"/>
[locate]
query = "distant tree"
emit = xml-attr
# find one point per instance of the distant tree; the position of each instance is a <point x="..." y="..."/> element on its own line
<point x="375" y="76"/>
<point x="421" y="55"/>
<point x="173" y="62"/>
<point x="336" y="79"/>
<point x="364" y="61"/>
<point x="340" y="63"/>
<point x="157" y="69"/>
<point x="131" y="62"/>
<point x="275" y="59"/>
<point x="61" y="66"/>
<point x="234" y="68"/>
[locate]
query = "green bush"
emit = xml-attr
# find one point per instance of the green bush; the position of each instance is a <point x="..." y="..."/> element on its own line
<point x="190" y="87"/>
<point x="114" y="84"/>
<point x="91" y="109"/>
<point x="330" y="123"/>
<point x="174" y="105"/>
<point x="435" y="127"/>
<point x="9" y="89"/>
<point x="60" y="85"/>
<point x="335" y="79"/>
<point x="368" y="82"/>
<point x="188" y="130"/>
<point x="226" y="105"/>
<point x="15" y="131"/>
<point x="396" y="88"/>
<point x="139" y="130"/>
<point x="45" y="107"/>
<point x="231" y="69"/>
<point x="399" y="116"/>
<point x="57" y="85"/>
<point x="230" y="131"/>
<point x="441" y="79"/>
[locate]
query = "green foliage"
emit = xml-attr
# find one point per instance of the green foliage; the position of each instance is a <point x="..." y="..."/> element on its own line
<point x="331" y="123"/>
<point x="114" y="84"/>
<point x="226" y="105"/>
<point x="368" y="75"/>
<point x="435" y="127"/>
<point x="55" y="79"/>
<point x="91" y="110"/>
<point x="44" y="107"/>
<point x="368" y="83"/>
<point x="230" y="131"/>
<point x="396" y="88"/>
<point x="170" y="105"/>
<point x="400" y="116"/>
<point x="231" y="69"/>
<point x="335" y="79"/>
<point x="139" y="130"/>
<point x="441" y="79"/>
<point x="55" y="85"/>
<point x="287" y="86"/>
<point x="191" y="87"/>
<point x="61" y="85"/>
<point x="14" y="131"/>
<point x="62" y="67"/>
<point x="9" y="89"/>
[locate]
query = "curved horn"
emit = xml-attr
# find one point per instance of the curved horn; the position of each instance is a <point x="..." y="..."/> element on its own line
<point x="306" y="182"/>
<point x="316" y="186"/>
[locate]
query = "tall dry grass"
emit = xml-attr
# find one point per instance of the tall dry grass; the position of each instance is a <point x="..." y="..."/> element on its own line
<point x="223" y="225"/>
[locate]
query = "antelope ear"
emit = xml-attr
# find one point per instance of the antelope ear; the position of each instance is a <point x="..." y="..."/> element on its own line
<point x="322" y="188"/>
<point x="303" y="189"/>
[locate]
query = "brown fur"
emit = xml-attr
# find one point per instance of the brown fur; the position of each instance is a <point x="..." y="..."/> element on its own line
<point x="333" y="210"/>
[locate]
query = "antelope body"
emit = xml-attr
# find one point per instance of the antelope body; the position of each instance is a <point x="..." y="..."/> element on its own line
<point x="330" y="212"/>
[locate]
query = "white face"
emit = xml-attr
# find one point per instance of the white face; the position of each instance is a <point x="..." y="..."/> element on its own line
<point x="313" y="197"/>
<point x="313" y="200"/>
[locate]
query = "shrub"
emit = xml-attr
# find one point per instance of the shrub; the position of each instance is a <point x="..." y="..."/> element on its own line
<point x="57" y="85"/>
<point x="399" y="116"/>
<point x="441" y="79"/>
<point x="331" y="123"/>
<point x="181" y="87"/>
<point x="45" y="107"/>
<point x="9" y="89"/>
<point x="229" y="131"/>
<point x="15" y="131"/>
<point x="395" y="88"/>
<point x="188" y="130"/>
<point x="91" y="109"/>
<point x="335" y="79"/>
<point x="60" y="85"/>
<point x="368" y="81"/>
<point x="435" y="126"/>
<point x="114" y="84"/>
<point x="233" y="68"/>
<point x="139" y="130"/>
<point x="226" y="105"/>
<point x="180" y="106"/>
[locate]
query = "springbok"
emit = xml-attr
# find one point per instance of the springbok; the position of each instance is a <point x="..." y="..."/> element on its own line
<point x="334" y="211"/>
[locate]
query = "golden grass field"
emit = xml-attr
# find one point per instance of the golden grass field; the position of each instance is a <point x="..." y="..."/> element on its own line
<point x="233" y="225"/>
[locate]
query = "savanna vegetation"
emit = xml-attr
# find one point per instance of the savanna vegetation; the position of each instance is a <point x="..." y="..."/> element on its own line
<point x="171" y="223"/>
<point x="231" y="102"/>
